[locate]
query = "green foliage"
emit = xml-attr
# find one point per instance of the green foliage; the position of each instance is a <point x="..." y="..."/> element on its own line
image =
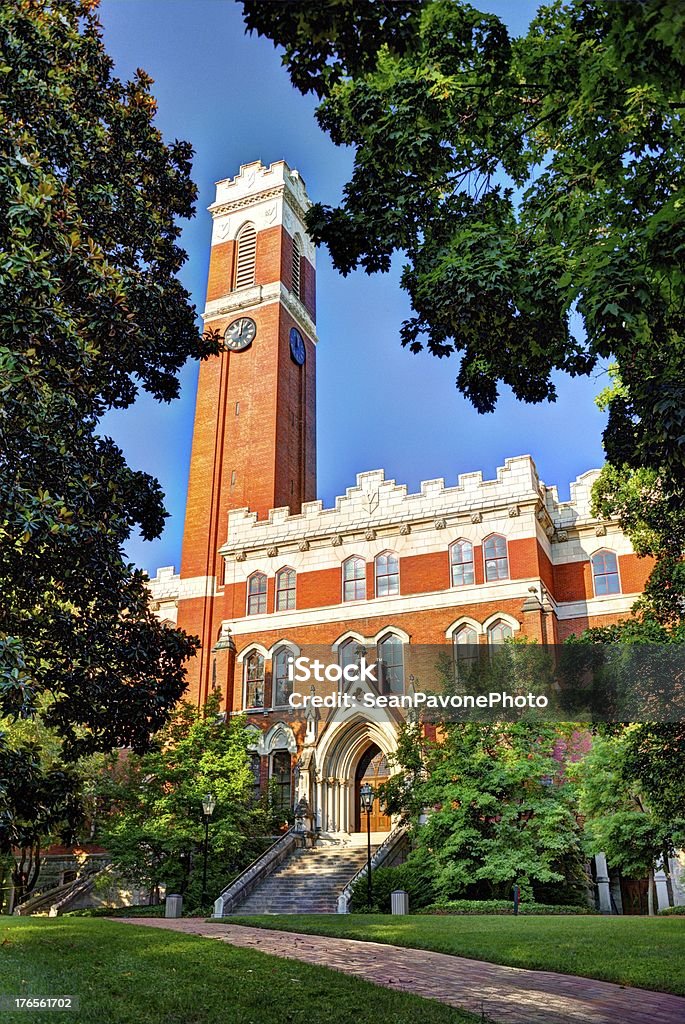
<point x="503" y="907"/>
<point x="524" y="180"/>
<point x="673" y="912"/>
<point x="416" y="876"/>
<point x="152" y="822"/>
<point x="619" y="820"/>
<point x="91" y="309"/>
<point x="40" y="800"/>
<point x="501" y="811"/>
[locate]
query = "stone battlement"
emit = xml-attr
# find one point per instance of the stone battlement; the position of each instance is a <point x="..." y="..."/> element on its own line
<point x="375" y="502"/>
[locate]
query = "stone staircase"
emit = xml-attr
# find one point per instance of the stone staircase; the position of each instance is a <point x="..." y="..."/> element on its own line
<point x="308" y="882"/>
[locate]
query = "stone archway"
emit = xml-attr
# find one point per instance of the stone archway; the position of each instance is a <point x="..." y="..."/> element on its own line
<point x="339" y="755"/>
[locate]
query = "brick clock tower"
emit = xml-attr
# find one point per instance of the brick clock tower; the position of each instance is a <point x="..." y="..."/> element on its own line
<point x="254" y="438"/>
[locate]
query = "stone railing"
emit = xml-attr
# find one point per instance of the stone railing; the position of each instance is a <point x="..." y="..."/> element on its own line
<point x="390" y="852"/>
<point x="241" y="887"/>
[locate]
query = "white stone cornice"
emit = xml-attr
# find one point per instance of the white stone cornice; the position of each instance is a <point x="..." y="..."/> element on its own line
<point x="244" y="300"/>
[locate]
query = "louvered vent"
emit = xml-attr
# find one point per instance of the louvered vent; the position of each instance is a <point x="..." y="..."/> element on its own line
<point x="296" y="267"/>
<point x="247" y="249"/>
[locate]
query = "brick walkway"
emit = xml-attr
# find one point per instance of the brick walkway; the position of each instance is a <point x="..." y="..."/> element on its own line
<point x="507" y="995"/>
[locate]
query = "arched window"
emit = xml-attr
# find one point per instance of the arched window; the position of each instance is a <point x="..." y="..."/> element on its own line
<point x="297" y="257"/>
<point x="387" y="574"/>
<point x="246" y="252"/>
<point x="281" y="779"/>
<point x="461" y="563"/>
<point x="348" y="653"/>
<point x="254" y="680"/>
<point x="285" y="589"/>
<point x="282" y="686"/>
<point x="499" y="631"/>
<point x="496" y="561"/>
<point x="256" y="594"/>
<point x="354" y="579"/>
<point x="465" y="642"/>
<point x="391" y="664"/>
<point x="605" y="573"/>
<point x="256" y="769"/>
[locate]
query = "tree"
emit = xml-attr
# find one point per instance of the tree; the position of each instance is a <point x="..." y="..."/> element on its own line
<point x="151" y="805"/>
<point x="39" y="803"/>
<point x="620" y="821"/>
<point x="524" y="180"/>
<point x="501" y="810"/>
<point x="91" y="310"/>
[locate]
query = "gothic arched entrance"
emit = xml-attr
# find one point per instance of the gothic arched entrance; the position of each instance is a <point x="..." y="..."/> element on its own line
<point x="372" y="768"/>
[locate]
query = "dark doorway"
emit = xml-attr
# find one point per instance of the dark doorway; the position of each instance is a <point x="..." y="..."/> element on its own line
<point x="372" y="768"/>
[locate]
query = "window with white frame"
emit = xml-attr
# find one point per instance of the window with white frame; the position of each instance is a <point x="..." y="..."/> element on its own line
<point x="605" y="573"/>
<point x="246" y="253"/>
<point x="465" y="643"/>
<point x="254" y="680"/>
<point x="286" y="581"/>
<point x="387" y="574"/>
<point x="256" y="594"/>
<point x="495" y="558"/>
<point x="349" y="653"/>
<point x="461" y="563"/>
<point x="391" y="664"/>
<point x="282" y="686"/>
<point x="499" y="631"/>
<point x="281" y="779"/>
<point x="354" y="579"/>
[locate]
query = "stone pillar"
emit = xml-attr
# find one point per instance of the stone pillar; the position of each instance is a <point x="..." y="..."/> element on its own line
<point x="602" y="875"/>
<point x="223" y="669"/>
<point x="661" y="887"/>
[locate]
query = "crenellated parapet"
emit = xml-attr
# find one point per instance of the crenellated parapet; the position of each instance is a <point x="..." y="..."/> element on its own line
<point x="375" y="507"/>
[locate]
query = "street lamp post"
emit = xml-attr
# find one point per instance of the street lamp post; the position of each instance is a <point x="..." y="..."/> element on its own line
<point x="208" y="805"/>
<point x="366" y="795"/>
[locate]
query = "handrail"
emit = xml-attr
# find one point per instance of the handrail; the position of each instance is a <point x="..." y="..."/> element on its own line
<point x="377" y="859"/>
<point x="255" y="872"/>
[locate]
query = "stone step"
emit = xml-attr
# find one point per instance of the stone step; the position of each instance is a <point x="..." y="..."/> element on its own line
<point x="310" y="881"/>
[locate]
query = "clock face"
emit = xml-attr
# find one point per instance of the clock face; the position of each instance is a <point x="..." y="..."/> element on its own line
<point x="297" y="350"/>
<point x="240" y="334"/>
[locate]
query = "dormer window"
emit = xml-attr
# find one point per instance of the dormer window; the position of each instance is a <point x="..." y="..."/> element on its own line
<point x="246" y="244"/>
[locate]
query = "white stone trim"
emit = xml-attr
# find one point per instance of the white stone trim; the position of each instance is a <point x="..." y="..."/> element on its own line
<point x="463" y="620"/>
<point x="501" y="617"/>
<point x="196" y="586"/>
<point x="401" y="634"/>
<point x="608" y="604"/>
<point x="290" y="644"/>
<point x="245" y="300"/>
<point x="250" y="649"/>
<point x="345" y="637"/>
<point x="279" y="737"/>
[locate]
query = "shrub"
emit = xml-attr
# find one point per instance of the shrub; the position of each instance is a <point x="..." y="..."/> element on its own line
<point x="416" y="876"/>
<point x="677" y="911"/>
<point x="502" y="907"/>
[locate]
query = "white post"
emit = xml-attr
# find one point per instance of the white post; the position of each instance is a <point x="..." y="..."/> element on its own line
<point x="603" y="891"/>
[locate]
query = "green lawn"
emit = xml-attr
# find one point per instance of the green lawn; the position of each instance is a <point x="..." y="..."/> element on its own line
<point x="647" y="952"/>
<point x="125" y="974"/>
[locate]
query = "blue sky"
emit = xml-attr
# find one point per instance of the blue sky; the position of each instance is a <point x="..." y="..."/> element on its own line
<point x="228" y="94"/>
